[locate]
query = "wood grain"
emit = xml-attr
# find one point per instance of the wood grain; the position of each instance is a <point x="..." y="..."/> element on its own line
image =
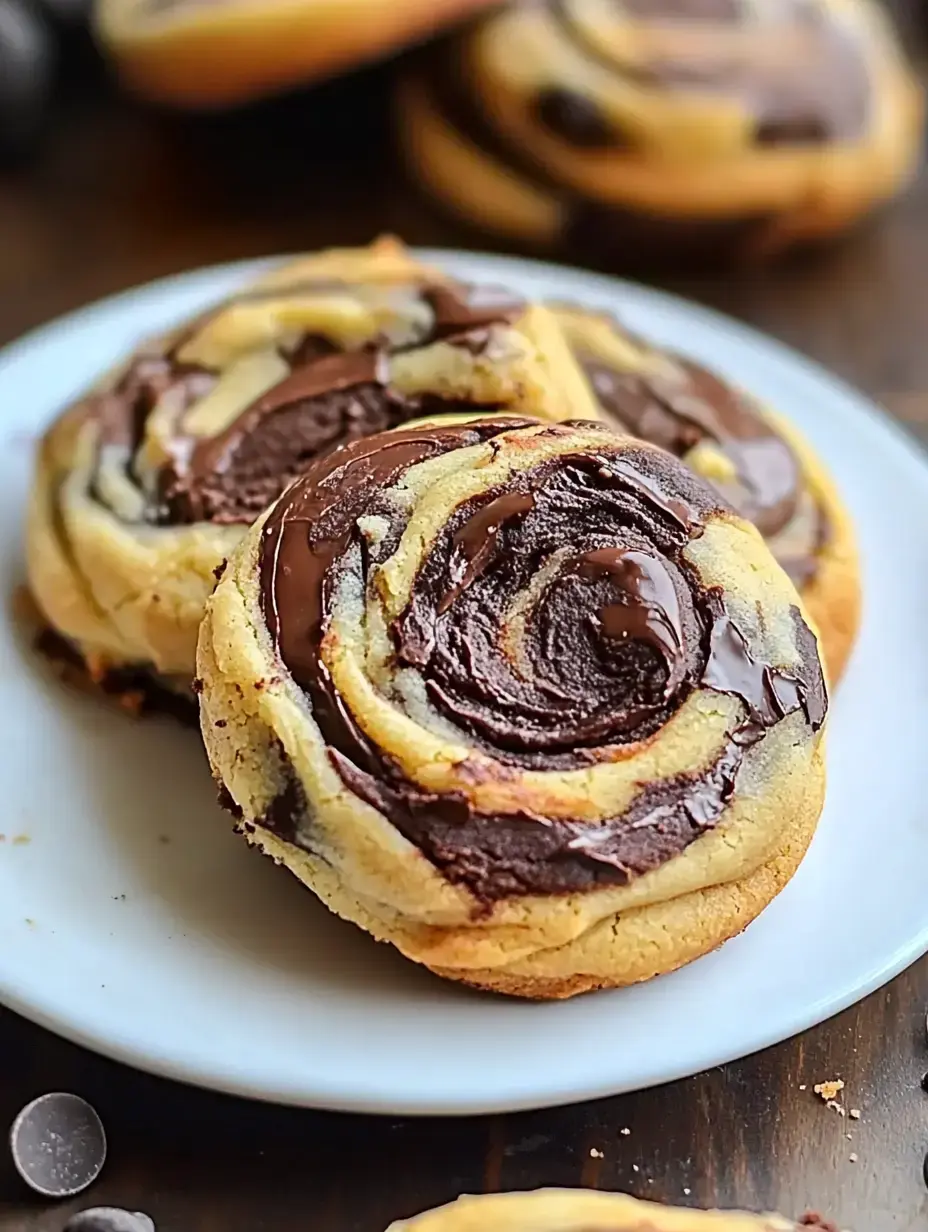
<point x="121" y="196"/>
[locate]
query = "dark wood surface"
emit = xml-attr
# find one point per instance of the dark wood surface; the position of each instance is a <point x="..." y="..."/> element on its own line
<point x="120" y="196"/>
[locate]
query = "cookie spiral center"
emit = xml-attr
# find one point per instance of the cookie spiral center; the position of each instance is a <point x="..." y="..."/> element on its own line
<point x="555" y="617"/>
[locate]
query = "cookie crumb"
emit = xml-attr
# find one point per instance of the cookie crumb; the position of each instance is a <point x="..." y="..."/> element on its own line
<point x="594" y="1154"/>
<point x="635" y="1168"/>
<point x="625" y="1131"/>
<point x="853" y="1157"/>
<point x="829" y="1089"/>
<point x="854" y="1114"/>
<point x="687" y="1192"/>
<point x="836" y="1107"/>
<point x="802" y="1086"/>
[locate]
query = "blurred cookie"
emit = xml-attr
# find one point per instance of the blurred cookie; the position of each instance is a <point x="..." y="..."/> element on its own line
<point x="196" y="54"/>
<point x="584" y="1210"/>
<point x="651" y="130"/>
<point x="756" y="460"/>
<point x="522" y="699"/>
<point x="144" y="487"/>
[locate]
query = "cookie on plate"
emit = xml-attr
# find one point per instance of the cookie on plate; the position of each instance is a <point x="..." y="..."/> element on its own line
<point x="527" y="701"/>
<point x="195" y="54"/>
<point x="586" y="1210"/>
<point x="651" y="132"/>
<point x="756" y="459"/>
<point x="144" y="486"/>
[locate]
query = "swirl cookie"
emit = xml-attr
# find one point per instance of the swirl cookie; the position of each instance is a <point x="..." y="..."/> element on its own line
<point x="584" y="1210"/>
<point x="758" y="462"/>
<point x="195" y="54"/>
<point x="524" y="700"/>
<point x="145" y="486"/>
<point x="640" y="132"/>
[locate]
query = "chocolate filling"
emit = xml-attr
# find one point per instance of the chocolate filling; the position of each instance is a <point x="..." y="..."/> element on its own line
<point x="551" y="621"/>
<point x="329" y="398"/>
<point x="684" y="405"/>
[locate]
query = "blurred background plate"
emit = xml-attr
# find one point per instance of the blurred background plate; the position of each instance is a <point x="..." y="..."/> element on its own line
<point x="134" y="922"/>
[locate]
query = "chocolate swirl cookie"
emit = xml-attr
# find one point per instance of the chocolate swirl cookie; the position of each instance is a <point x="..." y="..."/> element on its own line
<point x="757" y="461"/>
<point x="527" y="701"/>
<point x="641" y="132"/>
<point x="586" y="1210"/>
<point x="145" y="485"/>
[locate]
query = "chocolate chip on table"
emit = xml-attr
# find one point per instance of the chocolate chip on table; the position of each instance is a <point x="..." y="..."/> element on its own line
<point x="109" y="1219"/>
<point x="58" y="1145"/>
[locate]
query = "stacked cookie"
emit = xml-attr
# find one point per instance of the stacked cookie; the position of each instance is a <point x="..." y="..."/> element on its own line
<point x="491" y="607"/>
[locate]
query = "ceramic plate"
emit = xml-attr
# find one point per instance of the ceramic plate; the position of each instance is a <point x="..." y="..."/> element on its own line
<point x="134" y="922"/>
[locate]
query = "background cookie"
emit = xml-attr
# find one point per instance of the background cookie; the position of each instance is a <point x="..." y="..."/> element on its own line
<point x="758" y="462"/>
<point x="521" y="700"/>
<point x="144" y="487"/>
<point x="228" y="51"/>
<point x="644" y="132"/>
<point x="583" y="1210"/>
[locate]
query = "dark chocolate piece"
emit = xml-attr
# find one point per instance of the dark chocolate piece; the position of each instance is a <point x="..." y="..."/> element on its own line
<point x="109" y="1219"/>
<point x="58" y="1145"/>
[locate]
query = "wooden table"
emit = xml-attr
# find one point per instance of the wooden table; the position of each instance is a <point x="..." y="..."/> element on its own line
<point x="120" y="197"/>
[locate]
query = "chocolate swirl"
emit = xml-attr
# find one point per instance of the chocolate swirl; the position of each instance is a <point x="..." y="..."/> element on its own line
<point x="216" y="465"/>
<point x="553" y="623"/>
<point x="679" y="405"/>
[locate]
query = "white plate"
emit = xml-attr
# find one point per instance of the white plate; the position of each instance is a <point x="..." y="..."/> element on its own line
<point x="134" y="922"/>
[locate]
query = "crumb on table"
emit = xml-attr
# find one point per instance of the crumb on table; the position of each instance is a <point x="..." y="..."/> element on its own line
<point x="829" y="1089"/>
